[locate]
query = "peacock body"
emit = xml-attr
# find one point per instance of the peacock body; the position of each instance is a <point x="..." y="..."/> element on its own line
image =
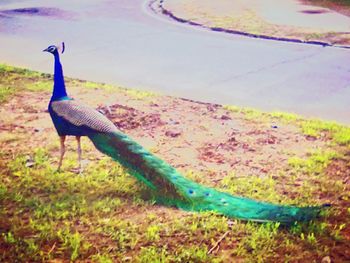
<point x="167" y="185"/>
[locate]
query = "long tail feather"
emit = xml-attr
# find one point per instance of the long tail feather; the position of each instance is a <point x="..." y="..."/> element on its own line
<point x="175" y="190"/>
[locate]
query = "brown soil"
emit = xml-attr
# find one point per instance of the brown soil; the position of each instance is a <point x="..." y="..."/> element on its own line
<point x="192" y="136"/>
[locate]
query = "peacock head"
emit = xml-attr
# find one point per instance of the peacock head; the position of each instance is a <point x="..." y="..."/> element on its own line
<point x="55" y="49"/>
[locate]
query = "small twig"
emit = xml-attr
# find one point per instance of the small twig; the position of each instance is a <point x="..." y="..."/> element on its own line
<point x="218" y="242"/>
<point x="53" y="247"/>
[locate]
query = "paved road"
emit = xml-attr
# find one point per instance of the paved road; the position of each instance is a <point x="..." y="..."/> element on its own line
<point x="121" y="42"/>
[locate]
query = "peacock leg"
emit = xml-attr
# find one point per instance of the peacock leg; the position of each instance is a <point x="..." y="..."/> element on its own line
<point x="62" y="151"/>
<point x="79" y="153"/>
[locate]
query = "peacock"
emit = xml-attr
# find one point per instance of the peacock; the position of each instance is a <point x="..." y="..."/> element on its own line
<point x="166" y="184"/>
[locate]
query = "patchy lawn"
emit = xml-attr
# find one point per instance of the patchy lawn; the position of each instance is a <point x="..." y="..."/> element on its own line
<point x="104" y="215"/>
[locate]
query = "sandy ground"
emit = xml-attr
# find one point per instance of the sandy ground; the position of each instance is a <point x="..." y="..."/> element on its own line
<point x="288" y="18"/>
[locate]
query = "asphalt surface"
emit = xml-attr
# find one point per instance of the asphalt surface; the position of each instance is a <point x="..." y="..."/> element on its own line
<point x="123" y="42"/>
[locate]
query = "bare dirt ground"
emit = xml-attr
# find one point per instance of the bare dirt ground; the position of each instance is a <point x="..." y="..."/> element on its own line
<point x="196" y="136"/>
<point x="288" y="19"/>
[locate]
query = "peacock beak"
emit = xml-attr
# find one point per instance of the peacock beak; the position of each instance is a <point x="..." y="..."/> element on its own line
<point x="46" y="50"/>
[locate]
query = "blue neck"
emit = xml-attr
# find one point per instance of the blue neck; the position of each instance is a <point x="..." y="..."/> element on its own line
<point x="59" y="88"/>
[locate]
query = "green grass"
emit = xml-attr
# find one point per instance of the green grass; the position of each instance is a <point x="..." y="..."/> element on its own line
<point x="315" y="164"/>
<point x="74" y="217"/>
<point x="152" y="233"/>
<point x="188" y="254"/>
<point x="5" y="93"/>
<point x="104" y="215"/>
<point x="68" y="209"/>
<point x="13" y="80"/>
<point x="259" y="241"/>
<point x="255" y="187"/>
<point x="310" y="173"/>
<point x="340" y="134"/>
<point x="70" y="241"/>
<point x="61" y="198"/>
<point x="139" y="94"/>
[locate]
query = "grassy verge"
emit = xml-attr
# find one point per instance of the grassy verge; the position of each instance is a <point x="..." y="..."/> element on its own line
<point x="104" y="215"/>
<point x="313" y="128"/>
<point x="15" y="80"/>
<point x="227" y="16"/>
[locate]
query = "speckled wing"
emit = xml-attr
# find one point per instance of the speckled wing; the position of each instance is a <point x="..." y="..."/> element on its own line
<point x="83" y="115"/>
